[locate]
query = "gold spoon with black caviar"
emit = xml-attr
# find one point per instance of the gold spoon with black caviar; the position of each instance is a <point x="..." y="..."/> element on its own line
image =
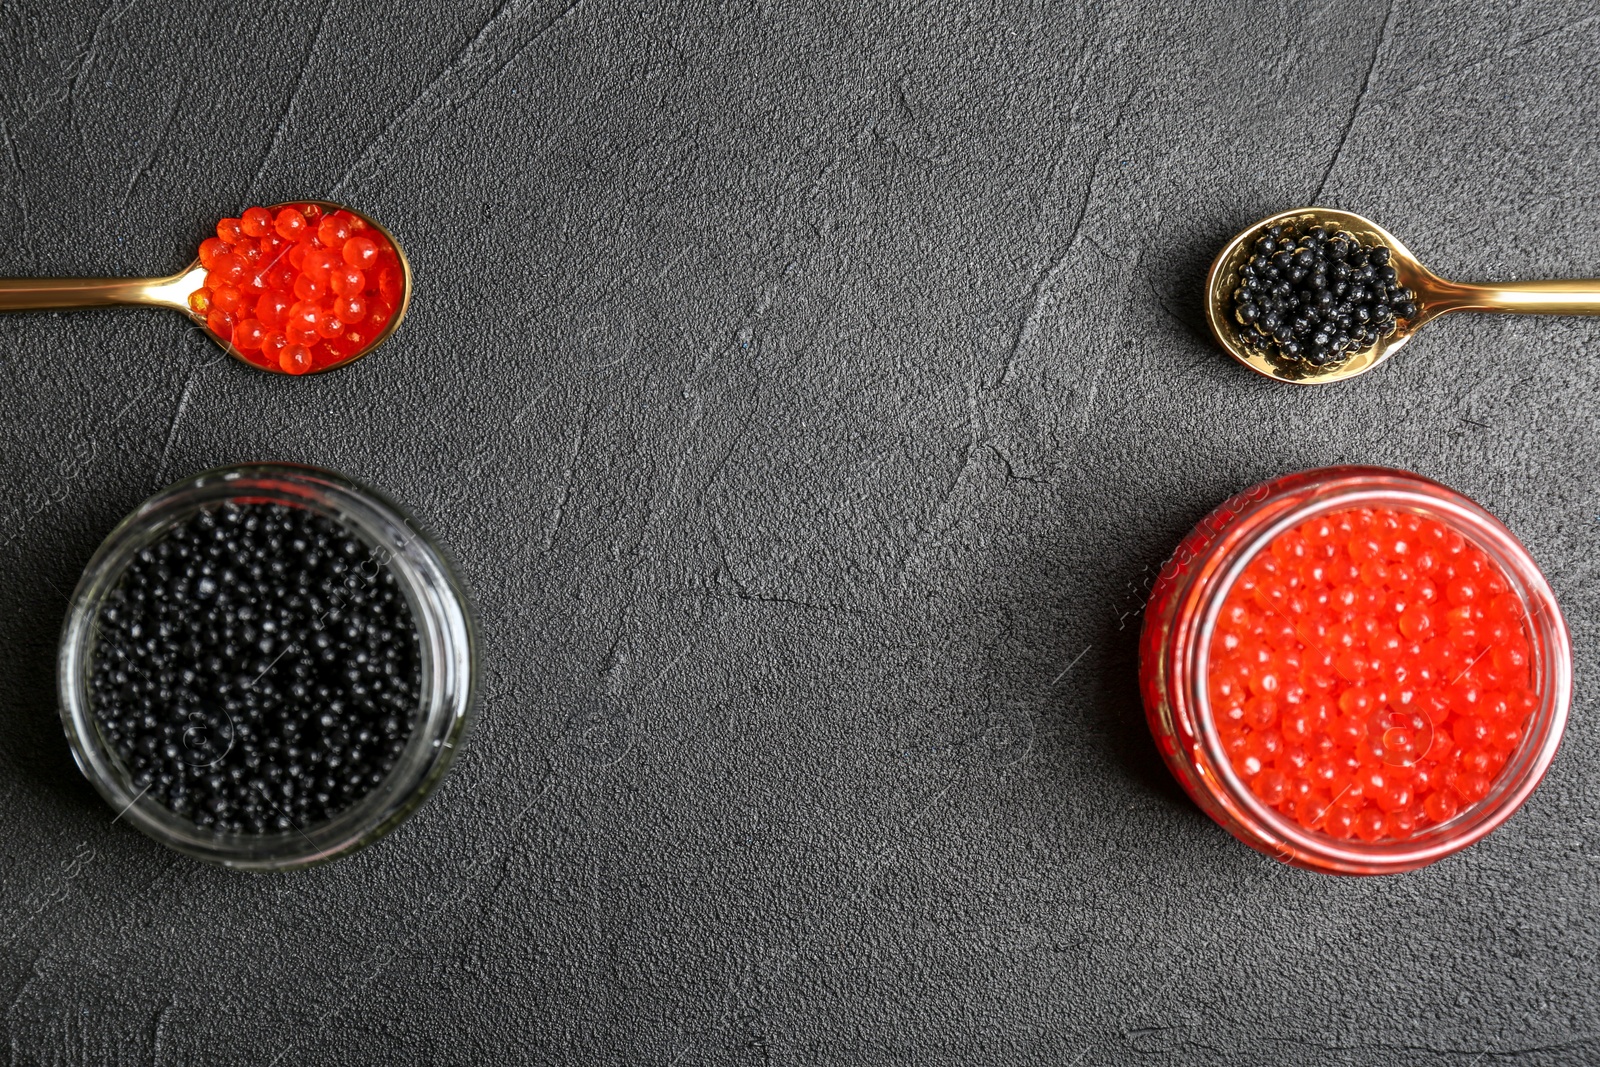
<point x="1434" y="295"/>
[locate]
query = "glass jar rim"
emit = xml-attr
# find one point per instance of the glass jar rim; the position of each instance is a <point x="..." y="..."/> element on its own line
<point x="1345" y="488"/>
<point x="447" y="661"/>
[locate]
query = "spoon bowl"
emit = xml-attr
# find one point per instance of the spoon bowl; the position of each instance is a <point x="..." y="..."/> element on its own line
<point x="1434" y="295"/>
<point x="173" y="292"/>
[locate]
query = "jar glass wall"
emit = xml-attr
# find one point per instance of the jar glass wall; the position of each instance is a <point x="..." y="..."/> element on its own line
<point x="445" y="655"/>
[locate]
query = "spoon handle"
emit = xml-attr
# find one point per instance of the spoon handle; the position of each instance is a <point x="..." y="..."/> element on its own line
<point x="34" y="294"/>
<point x="1578" y="296"/>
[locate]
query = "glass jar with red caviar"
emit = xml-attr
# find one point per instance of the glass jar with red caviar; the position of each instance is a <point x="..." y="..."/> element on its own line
<point x="1356" y="669"/>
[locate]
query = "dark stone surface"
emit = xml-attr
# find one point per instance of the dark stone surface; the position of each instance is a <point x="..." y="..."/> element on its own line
<point x="806" y="392"/>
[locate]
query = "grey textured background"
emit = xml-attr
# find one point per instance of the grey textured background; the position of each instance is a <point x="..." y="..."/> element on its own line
<point x="807" y="393"/>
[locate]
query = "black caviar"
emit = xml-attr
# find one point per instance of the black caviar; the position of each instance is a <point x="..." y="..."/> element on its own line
<point x="1319" y="296"/>
<point x="256" y="669"/>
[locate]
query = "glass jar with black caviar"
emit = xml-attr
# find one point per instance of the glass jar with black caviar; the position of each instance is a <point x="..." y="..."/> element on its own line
<point x="266" y="666"/>
<point x="1356" y="670"/>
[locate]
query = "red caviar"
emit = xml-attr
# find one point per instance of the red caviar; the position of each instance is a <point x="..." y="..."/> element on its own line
<point x="1369" y="642"/>
<point x="1369" y="673"/>
<point x="297" y="290"/>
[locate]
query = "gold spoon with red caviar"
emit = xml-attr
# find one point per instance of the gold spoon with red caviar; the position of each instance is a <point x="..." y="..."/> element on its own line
<point x="1434" y="296"/>
<point x="370" y="284"/>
